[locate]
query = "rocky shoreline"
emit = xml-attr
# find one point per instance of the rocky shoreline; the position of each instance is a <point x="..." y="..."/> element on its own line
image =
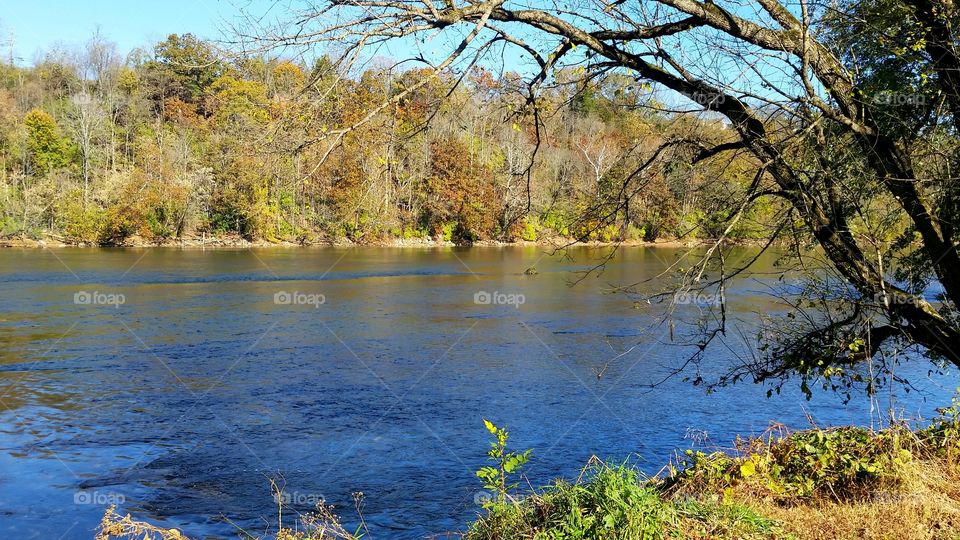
<point x="238" y="242"/>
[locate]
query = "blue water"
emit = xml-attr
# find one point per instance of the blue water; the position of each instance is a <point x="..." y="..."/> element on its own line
<point x="181" y="403"/>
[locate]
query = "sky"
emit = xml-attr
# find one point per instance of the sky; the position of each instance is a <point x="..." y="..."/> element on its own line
<point x="40" y="24"/>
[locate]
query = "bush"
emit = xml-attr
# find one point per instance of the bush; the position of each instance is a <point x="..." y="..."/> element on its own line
<point x="82" y="223"/>
<point x="557" y="222"/>
<point x="446" y="231"/>
<point x="611" y="503"/>
<point x="120" y="222"/>
<point x="530" y="227"/>
<point x="836" y="464"/>
<point x="943" y="435"/>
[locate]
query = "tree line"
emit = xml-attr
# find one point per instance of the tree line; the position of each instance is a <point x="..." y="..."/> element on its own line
<point x="179" y="141"/>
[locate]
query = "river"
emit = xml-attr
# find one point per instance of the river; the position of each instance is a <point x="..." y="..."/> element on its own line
<point x="177" y="383"/>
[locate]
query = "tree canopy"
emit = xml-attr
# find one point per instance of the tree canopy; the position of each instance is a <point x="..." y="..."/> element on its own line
<point x="181" y="141"/>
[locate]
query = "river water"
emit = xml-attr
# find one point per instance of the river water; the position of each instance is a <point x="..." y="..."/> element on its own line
<point x="178" y="383"/>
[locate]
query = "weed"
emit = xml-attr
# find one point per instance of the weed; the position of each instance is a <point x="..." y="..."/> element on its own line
<point x="505" y="463"/>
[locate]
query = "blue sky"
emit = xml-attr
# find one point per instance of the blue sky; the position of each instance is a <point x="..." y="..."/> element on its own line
<point x="38" y="24"/>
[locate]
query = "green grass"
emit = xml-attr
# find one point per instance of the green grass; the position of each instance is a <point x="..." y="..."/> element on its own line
<point x="616" y="503"/>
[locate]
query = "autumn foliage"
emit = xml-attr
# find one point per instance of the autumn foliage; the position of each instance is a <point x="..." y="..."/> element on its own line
<point x="176" y="143"/>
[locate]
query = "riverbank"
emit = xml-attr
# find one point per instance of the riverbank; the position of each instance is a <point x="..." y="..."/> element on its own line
<point x="844" y="484"/>
<point x="238" y="242"/>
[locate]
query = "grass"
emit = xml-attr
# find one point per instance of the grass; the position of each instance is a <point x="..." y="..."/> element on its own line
<point x="844" y="484"/>
<point x="616" y="502"/>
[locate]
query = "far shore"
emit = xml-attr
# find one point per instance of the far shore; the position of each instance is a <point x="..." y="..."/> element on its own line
<point x="234" y="242"/>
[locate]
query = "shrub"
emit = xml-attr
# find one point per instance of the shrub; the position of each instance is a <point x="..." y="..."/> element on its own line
<point x="836" y="464"/>
<point x="446" y="231"/>
<point x="81" y="223"/>
<point x="942" y="437"/>
<point x="556" y="222"/>
<point x="530" y="227"/>
<point x="610" y="502"/>
<point x="120" y="222"/>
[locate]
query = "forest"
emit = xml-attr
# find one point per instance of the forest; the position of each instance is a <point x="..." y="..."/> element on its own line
<point x="184" y="141"/>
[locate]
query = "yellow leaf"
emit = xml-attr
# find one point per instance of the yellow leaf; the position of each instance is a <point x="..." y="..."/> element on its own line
<point x="748" y="469"/>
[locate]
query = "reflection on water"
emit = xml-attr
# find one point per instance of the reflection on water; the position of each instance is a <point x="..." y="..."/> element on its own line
<point x="180" y="402"/>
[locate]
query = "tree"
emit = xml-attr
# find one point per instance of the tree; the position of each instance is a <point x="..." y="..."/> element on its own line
<point x="100" y="62"/>
<point x="183" y="67"/>
<point x="239" y="101"/>
<point x="46" y="148"/>
<point x="809" y="77"/>
<point x="460" y="192"/>
<point x="86" y="118"/>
